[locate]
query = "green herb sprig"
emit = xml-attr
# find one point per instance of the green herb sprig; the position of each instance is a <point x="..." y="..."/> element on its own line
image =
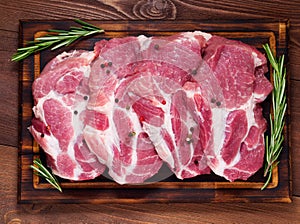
<point x="56" y="39"/>
<point x="42" y="171"/>
<point x="277" y="120"/>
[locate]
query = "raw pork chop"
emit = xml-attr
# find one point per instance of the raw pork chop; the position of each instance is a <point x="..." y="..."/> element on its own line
<point x="237" y="148"/>
<point x="61" y="94"/>
<point x="176" y="122"/>
<point x="148" y="91"/>
<point x="190" y="100"/>
<point x="122" y="144"/>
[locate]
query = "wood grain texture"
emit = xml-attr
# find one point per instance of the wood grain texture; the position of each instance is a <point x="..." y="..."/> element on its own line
<point x="161" y="213"/>
<point x="295" y="130"/>
<point x="12" y="11"/>
<point x="208" y="188"/>
<point x="10" y="212"/>
<point x="9" y="91"/>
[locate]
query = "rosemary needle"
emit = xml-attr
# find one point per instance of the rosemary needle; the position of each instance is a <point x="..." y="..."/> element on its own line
<point x="56" y="39"/>
<point x="42" y="171"/>
<point x="277" y="121"/>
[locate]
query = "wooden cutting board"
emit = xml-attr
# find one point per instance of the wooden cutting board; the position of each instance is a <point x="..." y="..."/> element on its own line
<point x="204" y="188"/>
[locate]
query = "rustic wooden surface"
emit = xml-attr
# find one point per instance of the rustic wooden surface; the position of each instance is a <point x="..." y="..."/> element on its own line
<point x="208" y="188"/>
<point x="12" y="11"/>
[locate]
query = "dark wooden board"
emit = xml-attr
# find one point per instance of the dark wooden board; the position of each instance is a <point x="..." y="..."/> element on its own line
<point x="206" y="188"/>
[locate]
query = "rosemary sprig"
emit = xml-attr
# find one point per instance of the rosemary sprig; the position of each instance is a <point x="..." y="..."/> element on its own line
<point x="42" y="171"/>
<point x="277" y="121"/>
<point x="56" y="39"/>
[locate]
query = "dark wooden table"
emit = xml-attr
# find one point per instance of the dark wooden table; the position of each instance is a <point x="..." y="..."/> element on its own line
<point x="12" y="11"/>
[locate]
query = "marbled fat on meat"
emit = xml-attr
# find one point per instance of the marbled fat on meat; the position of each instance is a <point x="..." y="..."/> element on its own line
<point x="148" y="86"/>
<point x="61" y="94"/>
<point x="123" y="146"/>
<point x="237" y="148"/>
<point x="189" y="100"/>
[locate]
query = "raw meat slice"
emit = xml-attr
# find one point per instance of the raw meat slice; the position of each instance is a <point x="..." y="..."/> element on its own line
<point x="178" y="128"/>
<point x="239" y="69"/>
<point x="236" y="149"/>
<point x="123" y="145"/>
<point x="167" y="105"/>
<point x="151" y="73"/>
<point x="251" y="151"/>
<point x="61" y="94"/>
<point x="190" y="100"/>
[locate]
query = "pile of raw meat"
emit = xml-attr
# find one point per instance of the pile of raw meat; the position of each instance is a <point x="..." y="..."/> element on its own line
<point x="190" y="101"/>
